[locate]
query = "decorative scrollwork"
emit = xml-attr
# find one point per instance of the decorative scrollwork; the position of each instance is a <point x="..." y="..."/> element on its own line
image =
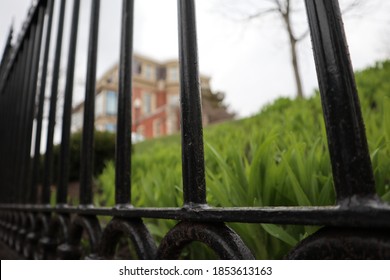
<point x="13" y="228"/>
<point x="27" y="222"/>
<point x="39" y="226"/>
<point x="72" y="249"/>
<point x="132" y="228"/>
<point x="343" y="243"/>
<point x="224" y="241"/>
<point x="2" y="225"/>
<point x="57" y="233"/>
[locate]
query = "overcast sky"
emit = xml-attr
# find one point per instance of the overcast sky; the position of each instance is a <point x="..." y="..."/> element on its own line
<point x="249" y="61"/>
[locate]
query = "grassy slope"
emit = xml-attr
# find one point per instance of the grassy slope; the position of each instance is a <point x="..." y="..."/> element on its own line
<point x="278" y="157"/>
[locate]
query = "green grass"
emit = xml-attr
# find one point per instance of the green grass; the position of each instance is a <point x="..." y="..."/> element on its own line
<point x="277" y="158"/>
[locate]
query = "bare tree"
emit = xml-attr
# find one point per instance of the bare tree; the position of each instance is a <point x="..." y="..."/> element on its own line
<point x="284" y="10"/>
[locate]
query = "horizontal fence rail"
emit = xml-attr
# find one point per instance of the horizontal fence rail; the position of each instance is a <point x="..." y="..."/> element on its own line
<point x="36" y="228"/>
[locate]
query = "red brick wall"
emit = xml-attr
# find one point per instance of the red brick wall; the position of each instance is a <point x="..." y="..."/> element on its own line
<point x="147" y="124"/>
<point x="161" y="98"/>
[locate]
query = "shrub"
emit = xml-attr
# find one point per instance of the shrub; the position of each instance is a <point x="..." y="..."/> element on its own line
<point x="104" y="151"/>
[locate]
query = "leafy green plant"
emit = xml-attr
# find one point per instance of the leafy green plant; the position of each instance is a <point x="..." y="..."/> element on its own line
<point x="276" y="158"/>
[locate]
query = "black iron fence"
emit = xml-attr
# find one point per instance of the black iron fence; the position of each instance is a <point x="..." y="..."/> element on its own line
<point x="356" y="227"/>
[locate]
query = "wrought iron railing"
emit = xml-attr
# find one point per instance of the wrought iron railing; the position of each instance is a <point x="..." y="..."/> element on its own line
<point x="356" y="227"/>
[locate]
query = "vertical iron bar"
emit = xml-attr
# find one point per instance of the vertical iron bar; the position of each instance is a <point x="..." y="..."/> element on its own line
<point x="3" y="139"/>
<point x="21" y="165"/>
<point x="5" y="59"/>
<point x="87" y="147"/>
<point x="123" y="135"/>
<point x="191" y="109"/>
<point x="13" y="118"/>
<point x="7" y="111"/>
<point x="17" y="168"/>
<point x="66" y="116"/>
<point x="48" y="169"/>
<point x="32" y="90"/>
<point x="37" y="153"/>
<point x="18" y="99"/>
<point x="8" y="148"/>
<point x="351" y="165"/>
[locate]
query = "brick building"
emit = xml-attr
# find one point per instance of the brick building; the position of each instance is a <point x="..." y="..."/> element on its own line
<point x="155" y="110"/>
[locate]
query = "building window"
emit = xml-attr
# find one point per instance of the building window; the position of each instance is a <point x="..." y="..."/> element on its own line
<point x="111" y="104"/>
<point x="157" y="129"/>
<point x="137" y="67"/>
<point x="161" y="73"/>
<point x="173" y="99"/>
<point x="148" y="72"/>
<point x="147" y="103"/>
<point x="110" y="127"/>
<point x="173" y="74"/>
<point x="99" y="105"/>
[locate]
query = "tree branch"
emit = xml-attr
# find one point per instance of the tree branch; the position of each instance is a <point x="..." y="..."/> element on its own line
<point x="303" y="36"/>
<point x="262" y="13"/>
<point x="350" y="7"/>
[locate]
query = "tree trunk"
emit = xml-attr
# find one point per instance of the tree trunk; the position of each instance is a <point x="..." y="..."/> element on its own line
<point x="295" y="65"/>
<point x="294" y="54"/>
